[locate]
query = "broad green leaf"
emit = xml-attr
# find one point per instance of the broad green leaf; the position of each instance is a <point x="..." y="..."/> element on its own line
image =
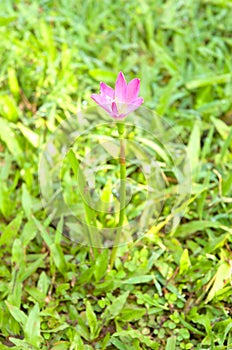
<point x="29" y="135"/>
<point x="8" y="108"/>
<point x="134" y="334"/>
<point x="171" y="343"/>
<point x="227" y="185"/>
<point x="163" y="56"/>
<point x="90" y="216"/>
<point x="20" y="344"/>
<point x="132" y="314"/>
<point x="206" y="150"/>
<point x="73" y="162"/>
<point x="227" y="144"/>
<point x="6" y="20"/>
<point x="139" y="279"/>
<point x="61" y="345"/>
<point x="59" y="231"/>
<point x="43" y="283"/>
<point x="105" y="341"/>
<point x="11" y="230"/>
<point x="187" y="325"/>
<point x="18" y="253"/>
<point x="147" y="299"/>
<point x="184" y="262"/>
<point x="82" y="328"/>
<point x="216" y="243"/>
<point x="77" y="343"/>
<point x="101" y="264"/>
<point x="28" y="233"/>
<point x="15" y="294"/>
<point x="13" y="82"/>
<point x="55" y="249"/>
<point x="209" y="80"/>
<point x="191" y="227"/>
<point x="156" y="147"/>
<point x="165" y="97"/>
<point x="116" y="307"/>
<point x="221" y="128"/>
<point x="36" y="294"/>
<point x="106" y="286"/>
<point x="58" y="257"/>
<point x="18" y="315"/>
<point x="86" y="275"/>
<point x="43" y="231"/>
<point x="118" y="344"/>
<point x="32" y="327"/>
<point x="92" y="321"/>
<point x="203" y="320"/>
<point x="221" y="277"/>
<point x="6" y="204"/>
<point x="8" y="136"/>
<point x="4" y="347"/>
<point x="102" y="75"/>
<point x="106" y="195"/>
<point x="226" y="332"/>
<point x="222" y="3"/>
<point x="31" y="268"/>
<point x="26" y="201"/>
<point x="47" y="35"/>
<point x="56" y="329"/>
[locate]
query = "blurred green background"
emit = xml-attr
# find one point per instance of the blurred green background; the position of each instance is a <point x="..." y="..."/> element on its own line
<point x="166" y="291"/>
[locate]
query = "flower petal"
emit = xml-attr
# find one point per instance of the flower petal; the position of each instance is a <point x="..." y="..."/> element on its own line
<point x="120" y="88"/>
<point x="106" y="90"/>
<point x="101" y="102"/>
<point x="133" y="89"/>
<point x="114" y="110"/>
<point x="134" y="105"/>
<point x="97" y="98"/>
<point x="138" y="101"/>
<point x="121" y="101"/>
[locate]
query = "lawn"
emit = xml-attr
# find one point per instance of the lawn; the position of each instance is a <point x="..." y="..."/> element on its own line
<point x="63" y="284"/>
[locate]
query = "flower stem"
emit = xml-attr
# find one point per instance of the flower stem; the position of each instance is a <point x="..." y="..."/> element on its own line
<point x="122" y="191"/>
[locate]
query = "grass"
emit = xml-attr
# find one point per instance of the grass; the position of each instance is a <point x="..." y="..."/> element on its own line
<point x="168" y="289"/>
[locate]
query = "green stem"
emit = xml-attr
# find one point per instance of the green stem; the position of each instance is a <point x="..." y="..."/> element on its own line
<point x="122" y="191"/>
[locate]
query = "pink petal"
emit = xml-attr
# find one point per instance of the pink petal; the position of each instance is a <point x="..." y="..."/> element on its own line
<point x="134" y="105"/>
<point x="138" y="101"/>
<point x="133" y="89"/>
<point x="106" y="90"/>
<point x="97" y="98"/>
<point x="114" y="110"/>
<point x="101" y="102"/>
<point x="120" y="88"/>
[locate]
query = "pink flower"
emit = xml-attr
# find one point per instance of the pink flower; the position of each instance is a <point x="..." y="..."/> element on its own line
<point x="120" y="101"/>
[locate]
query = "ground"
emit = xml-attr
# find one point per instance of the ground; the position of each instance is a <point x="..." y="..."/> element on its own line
<point x="169" y="288"/>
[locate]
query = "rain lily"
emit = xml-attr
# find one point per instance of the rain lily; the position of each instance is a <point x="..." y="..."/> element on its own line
<point x="122" y="100"/>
